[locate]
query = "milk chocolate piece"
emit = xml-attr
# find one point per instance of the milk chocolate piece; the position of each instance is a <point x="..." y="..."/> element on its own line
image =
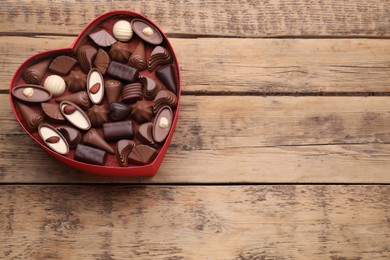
<point x="146" y="31"/>
<point x="142" y="154"/>
<point x="30" y="118"/>
<point x="53" y="112"/>
<point x="159" y="56"/>
<point x="150" y="87"/>
<point x="102" y="38"/>
<point x="85" y="55"/>
<point x="123" y="149"/>
<point x="72" y="135"/>
<point x="53" y="139"/>
<point x="113" y="90"/>
<point x="75" y="115"/>
<point x="118" y="130"/>
<point x="141" y="112"/>
<point x="98" y="115"/>
<point x="101" y="61"/>
<point x="80" y="98"/>
<point x="35" y="73"/>
<point x="162" y="124"/>
<point x="164" y="98"/>
<point x="62" y="65"/>
<point x="76" y="81"/>
<point x="90" y="155"/>
<point x="131" y="93"/>
<point x="167" y="76"/>
<point x="145" y="134"/>
<point x="120" y="52"/>
<point x="118" y="111"/>
<point x="95" y="86"/>
<point x="31" y="93"/>
<point x="92" y="138"/>
<point x="122" y="71"/>
<point x="138" y="58"/>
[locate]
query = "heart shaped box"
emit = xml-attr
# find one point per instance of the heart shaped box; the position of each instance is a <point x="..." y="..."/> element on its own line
<point x="134" y="171"/>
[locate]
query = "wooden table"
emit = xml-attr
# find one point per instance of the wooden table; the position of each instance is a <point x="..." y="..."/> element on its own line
<point x="282" y="149"/>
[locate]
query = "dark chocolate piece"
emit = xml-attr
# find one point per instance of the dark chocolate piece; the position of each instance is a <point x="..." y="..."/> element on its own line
<point x="98" y="115"/>
<point x="118" y="130"/>
<point x="72" y="135"/>
<point x="150" y="87"/>
<point x="145" y="134"/>
<point x="120" y="52"/>
<point x="90" y="155"/>
<point x="92" y="138"/>
<point x="53" y="139"/>
<point x="113" y="90"/>
<point x="164" y="98"/>
<point x="31" y="93"/>
<point x="159" y="56"/>
<point x="53" y="112"/>
<point x="138" y="58"/>
<point x="76" y="81"/>
<point x="141" y="112"/>
<point x="150" y="35"/>
<point x="80" y="98"/>
<point x="142" y="154"/>
<point x="167" y="76"/>
<point x="101" y="61"/>
<point x="122" y="71"/>
<point x="131" y="93"/>
<point x="62" y="64"/>
<point x="35" y="73"/>
<point x="102" y="38"/>
<point x="85" y="55"/>
<point x="162" y="124"/>
<point x="75" y="115"/>
<point x="118" y="111"/>
<point x="30" y="118"/>
<point x="95" y="86"/>
<point x="123" y="149"/>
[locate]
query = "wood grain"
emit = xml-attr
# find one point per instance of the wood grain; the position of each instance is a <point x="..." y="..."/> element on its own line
<point x="242" y="18"/>
<point x="318" y="139"/>
<point x="240" y="222"/>
<point x="251" y="66"/>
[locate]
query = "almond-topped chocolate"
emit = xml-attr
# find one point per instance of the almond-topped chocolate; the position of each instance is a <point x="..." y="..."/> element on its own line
<point x="31" y="93"/>
<point x="95" y="86"/>
<point x="53" y="138"/>
<point x="75" y="115"/>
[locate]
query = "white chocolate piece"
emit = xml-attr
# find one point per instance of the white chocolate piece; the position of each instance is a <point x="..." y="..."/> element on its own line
<point x="77" y="118"/>
<point x="94" y="76"/>
<point x="60" y="147"/>
<point x="55" y="84"/>
<point x="148" y="31"/>
<point x="164" y="123"/>
<point x="28" y="92"/>
<point x="122" y="31"/>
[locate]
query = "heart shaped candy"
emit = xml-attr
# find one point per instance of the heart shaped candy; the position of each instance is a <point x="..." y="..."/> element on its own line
<point x="118" y="64"/>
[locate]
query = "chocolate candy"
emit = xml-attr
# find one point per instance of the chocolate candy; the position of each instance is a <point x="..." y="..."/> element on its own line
<point x="53" y="139"/>
<point x="145" y="134"/>
<point x="141" y="112"/>
<point x="90" y="155"/>
<point x="118" y="130"/>
<point x="53" y="112"/>
<point x="118" y="111"/>
<point x="31" y="93"/>
<point x="62" y="65"/>
<point x="122" y="30"/>
<point x="162" y="124"/>
<point x="98" y="115"/>
<point x="95" y="86"/>
<point x="113" y="90"/>
<point x="159" y="56"/>
<point x="101" y="61"/>
<point x="85" y="55"/>
<point x="35" y="73"/>
<point x="122" y="71"/>
<point x="167" y="76"/>
<point x="102" y="38"/>
<point x="138" y="58"/>
<point x="75" y="115"/>
<point x="80" y="98"/>
<point x="76" y="81"/>
<point x="131" y="93"/>
<point x="30" y="118"/>
<point x="146" y="31"/>
<point x="164" y="98"/>
<point x="122" y="151"/>
<point x="142" y="154"/>
<point x="120" y="52"/>
<point x="93" y="139"/>
<point x="55" y="84"/>
<point x="72" y="135"/>
<point x="150" y="87"/>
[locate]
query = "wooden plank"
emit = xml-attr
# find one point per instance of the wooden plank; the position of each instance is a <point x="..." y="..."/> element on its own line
<point x="318" y="139"/>
<point x="259" y="66"/>
<point x="239" y="222"/>
<point x="240" y="18"/>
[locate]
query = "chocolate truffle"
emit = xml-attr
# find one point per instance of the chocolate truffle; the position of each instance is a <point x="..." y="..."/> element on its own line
<point x="138" y="58"/>
<point x="72" y="135"/>
<point x="122" y="30"/>
<point x="141" y="112"/>
<point x="123" y="149"/>
<point x="120" y="52"/>
<point x="31" y="93"/>
<point x="53" y="112"/>
<point x="118" y="130"/>
<point x="80" y="98"/>
<point x="131" y="93"/>
<point x="35" y="73"/>
<point x="92" y="138"/>
<point x="85" y="55"/>
<point x="150" y="87"/>
<point x="55" y="84"/>
<point x="159" y="56"/>
<point x="118" y="111"/>
<point x="62" y="64"/>
<point x="76" y="81"/>
<point x="102" y="38"/>
<point x="98" y="115"/>
<point x="164" y="98"/>
<point x="53" y="139"/>
<point x="101" y="61"/>
<point x="142" y="154"/>
<point x="30" y="118"/>
<point x="167" y="76"/>
<point x="146" y="31"/>
<point x="90" y="155"/>
<point x="113" y="90"/>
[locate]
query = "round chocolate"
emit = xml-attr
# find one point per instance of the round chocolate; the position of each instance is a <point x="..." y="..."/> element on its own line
<point x="146" y="31"/>
<point x="55" y="84"/>
<point x="122" y="30"/>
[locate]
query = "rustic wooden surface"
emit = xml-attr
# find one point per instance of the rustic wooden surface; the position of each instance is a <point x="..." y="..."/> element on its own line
<point x="276" y="94"/>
